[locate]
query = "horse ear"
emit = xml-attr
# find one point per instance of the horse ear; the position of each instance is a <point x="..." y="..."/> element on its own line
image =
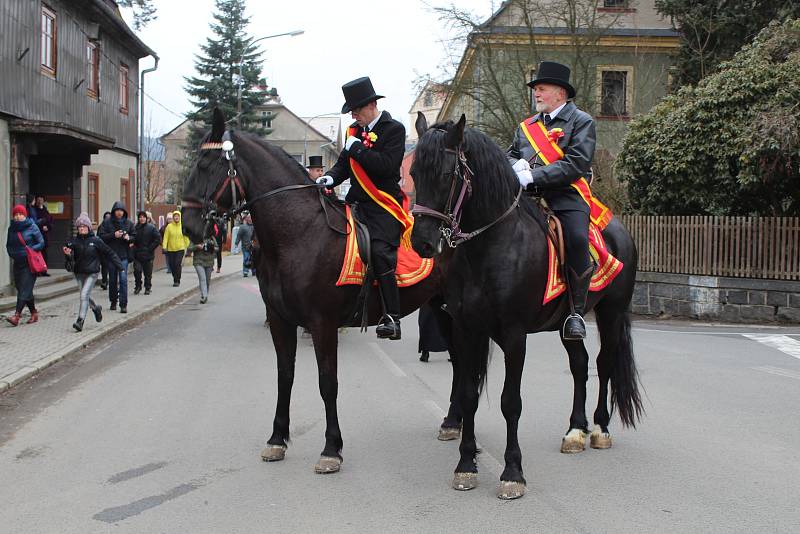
<point x="217" y="125"/>
<point x="422" y="124"/>
<point x="456" y="135"/>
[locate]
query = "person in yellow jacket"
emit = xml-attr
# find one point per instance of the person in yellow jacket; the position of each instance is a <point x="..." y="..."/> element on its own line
<point x="174" y="245"/>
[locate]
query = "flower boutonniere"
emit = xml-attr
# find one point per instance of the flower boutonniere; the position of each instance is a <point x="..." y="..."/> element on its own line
<point x="368" y="139"/>
<point x="555" y="134"/>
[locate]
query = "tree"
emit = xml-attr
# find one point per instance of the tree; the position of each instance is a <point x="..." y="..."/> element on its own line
<point x="228" y="65"/>
<point x="143" y="11"/>
<point x="503" y="55"/>
<point x="730" y="145"/>
<point x="713" y="31"/>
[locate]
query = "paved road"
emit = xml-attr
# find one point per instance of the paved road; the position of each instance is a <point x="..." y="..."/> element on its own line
<point x="160" y="431"/>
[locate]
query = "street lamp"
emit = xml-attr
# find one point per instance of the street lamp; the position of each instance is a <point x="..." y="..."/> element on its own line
<point x="305" y="134"/>
<point x="241" y="68"/>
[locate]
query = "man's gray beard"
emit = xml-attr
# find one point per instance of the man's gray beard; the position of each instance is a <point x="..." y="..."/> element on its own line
<point x="541" y="107"/>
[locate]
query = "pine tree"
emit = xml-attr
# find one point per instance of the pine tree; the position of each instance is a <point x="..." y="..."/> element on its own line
<point x="228" y="59"/>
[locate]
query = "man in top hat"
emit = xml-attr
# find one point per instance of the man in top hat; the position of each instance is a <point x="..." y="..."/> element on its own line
<point x="315" y="167"/>
<point x="551" y="171"/>
<point x="371" y="159"/>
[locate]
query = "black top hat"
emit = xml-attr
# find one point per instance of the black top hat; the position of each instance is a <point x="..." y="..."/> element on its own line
<point x="555" y="73"/>
<point x="358" y="93"/>
<point x="314" y="161"/>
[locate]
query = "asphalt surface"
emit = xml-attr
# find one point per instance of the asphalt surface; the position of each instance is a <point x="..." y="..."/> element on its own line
<point x="160" y="430"/>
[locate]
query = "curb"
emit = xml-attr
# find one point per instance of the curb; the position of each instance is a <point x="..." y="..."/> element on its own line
<point x="29" y="371"/>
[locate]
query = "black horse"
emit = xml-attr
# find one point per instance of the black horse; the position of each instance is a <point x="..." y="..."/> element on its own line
<point x="302" y="250"/>
<point x="494" y="289"/>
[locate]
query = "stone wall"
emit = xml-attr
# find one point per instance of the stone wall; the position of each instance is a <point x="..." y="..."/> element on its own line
<point x="717" y="298"/>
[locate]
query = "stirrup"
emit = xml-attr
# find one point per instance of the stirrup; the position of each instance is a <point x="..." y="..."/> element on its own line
<point x="388" y="329"/>
<point x="573" y="337"/>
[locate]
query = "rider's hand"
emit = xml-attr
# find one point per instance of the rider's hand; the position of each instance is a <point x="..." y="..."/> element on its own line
<point x="325" y="180"/>
<point x="349" y="142"/>
<point x="525" y="177"/>
<point x="521" y="165"/>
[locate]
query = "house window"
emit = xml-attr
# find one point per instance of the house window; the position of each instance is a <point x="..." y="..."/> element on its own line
<point x="93" y="72"/>
<point x="125" y="192"/>
<point x="618" y="4"/>
<point x="93" y="187"/>
<point x="428" y="99"/>
<point x="615" y="91"/>
<point x="48" y="41"/>
<point x="266" y="119"/>
<point x="612" y="101"/>
<point x="123" y="88"/>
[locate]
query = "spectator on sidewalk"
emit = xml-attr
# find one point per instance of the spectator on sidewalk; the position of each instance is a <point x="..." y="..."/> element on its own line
<point x="85" y="253"/>
<point x="144" y="247"/>
<point x="44" y="220"/>
<point x="245" y="238"/>
<point x="174" y="245"/>
<point x="203" y="260"/>
<point x="23" y="232"/>
<point x="167" y="220"/>
<point x="235" y="247"/>
<point x="119" y="233"/>
<point x="220" y="236"/>
<point x="103" y="263"/>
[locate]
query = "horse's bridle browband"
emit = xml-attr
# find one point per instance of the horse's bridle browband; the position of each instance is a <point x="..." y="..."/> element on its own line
<point x="452" y="233"/>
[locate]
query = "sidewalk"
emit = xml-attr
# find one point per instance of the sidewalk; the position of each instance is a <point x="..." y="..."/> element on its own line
<point x="27" y="349"/>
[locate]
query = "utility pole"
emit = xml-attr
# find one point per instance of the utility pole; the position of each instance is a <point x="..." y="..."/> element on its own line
<point x="240" y="81"/>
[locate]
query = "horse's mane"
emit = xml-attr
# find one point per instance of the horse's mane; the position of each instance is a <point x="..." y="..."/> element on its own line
<point x="275" y="151"/>
<point x="494" y="184"/>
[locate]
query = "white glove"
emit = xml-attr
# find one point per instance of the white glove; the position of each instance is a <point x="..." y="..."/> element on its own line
<point x="325" y="180"/>
<point x="521" y="165"/>
<point x="349" y="142"/>
<point x="525" y="177"/>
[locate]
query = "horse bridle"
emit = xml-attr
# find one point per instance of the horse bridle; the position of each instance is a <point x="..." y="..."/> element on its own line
<point x="209" y="204"/>
<point x="450" y="227"/>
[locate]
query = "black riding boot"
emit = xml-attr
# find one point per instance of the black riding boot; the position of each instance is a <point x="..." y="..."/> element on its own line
<point x="389" y="327"/>
<point x="578" y="285"/>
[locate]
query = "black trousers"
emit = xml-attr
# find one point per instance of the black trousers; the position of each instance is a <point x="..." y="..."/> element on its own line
<point x="219" y="256"/>
<point x="145" y="267"/>
<point x="575" y="225"/>
<point x="174" y="259"/>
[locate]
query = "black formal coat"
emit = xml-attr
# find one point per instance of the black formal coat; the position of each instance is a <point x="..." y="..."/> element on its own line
<point x="382" y="164"/>
<point x="578" y="144"/>
<point x="146" y="241"/>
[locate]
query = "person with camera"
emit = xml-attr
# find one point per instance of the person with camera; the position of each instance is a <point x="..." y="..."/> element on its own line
<point x="119" y="233"/>
<point x="84" y="256"/>
<point x="203" y="255"/>
<point x="145" y="244"/>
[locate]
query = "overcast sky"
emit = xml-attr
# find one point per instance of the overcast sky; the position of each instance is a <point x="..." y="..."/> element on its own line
<point x="391" y="41"/>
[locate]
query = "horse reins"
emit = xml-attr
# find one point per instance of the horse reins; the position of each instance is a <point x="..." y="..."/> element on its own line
<point x="452" y="233"/>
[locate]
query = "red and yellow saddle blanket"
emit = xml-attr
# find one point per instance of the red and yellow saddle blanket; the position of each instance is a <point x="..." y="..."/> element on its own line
<point x="608" y="267"/>
<point x="411" y="268"/>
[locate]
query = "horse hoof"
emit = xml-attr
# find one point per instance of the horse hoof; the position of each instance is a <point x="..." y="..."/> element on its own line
<point x="600" y="439"/>
<point x="465" y="481"/>
<point x="273" y="453"/>
<point x="509" y="490"/>
<point x="574" y="441"/>
<point x="449" y="433"/>
<point x="327" y="465"/>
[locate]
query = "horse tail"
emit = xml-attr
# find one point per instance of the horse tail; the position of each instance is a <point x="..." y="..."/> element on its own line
<point x="483" y="364"/>
<point x="614" y="325"/>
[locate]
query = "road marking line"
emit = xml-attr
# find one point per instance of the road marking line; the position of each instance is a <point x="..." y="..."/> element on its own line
<point x="704" y="333"/>
<point x="393" y="368"/>
<point x="784" y="344"/>
<point x="778" y="371"/>
<point x="484" y="458"/>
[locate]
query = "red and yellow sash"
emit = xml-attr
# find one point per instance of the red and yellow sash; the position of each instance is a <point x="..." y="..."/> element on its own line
<point x="549" y="151"/>
<point x="383" y="199"/>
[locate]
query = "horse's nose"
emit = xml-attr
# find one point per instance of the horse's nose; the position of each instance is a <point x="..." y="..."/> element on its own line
<point x="424" y="249"/>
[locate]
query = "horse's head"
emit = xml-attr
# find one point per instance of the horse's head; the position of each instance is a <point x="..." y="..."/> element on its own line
<point x="207" y="189"/>
<point x="438" y="182"/>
